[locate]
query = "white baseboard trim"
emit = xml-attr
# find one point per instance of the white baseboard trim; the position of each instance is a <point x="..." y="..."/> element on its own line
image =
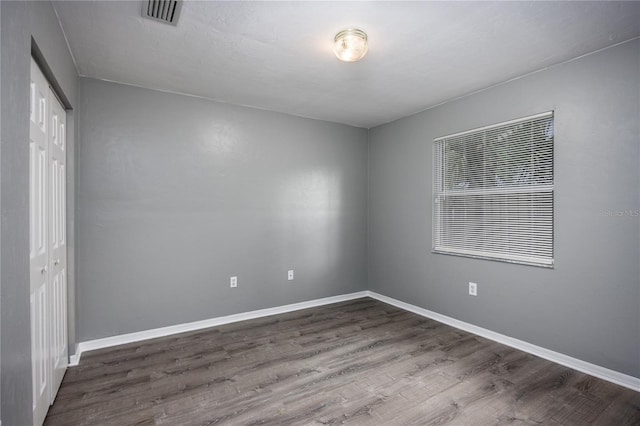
<point x="557" y="357"/>
<point x="122" y="339"/>
<point x="613" y="376"/>
<point x="74" y="359"/>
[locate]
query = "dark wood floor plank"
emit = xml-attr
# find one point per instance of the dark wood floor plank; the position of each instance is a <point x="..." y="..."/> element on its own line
<point x="358" y="362"/>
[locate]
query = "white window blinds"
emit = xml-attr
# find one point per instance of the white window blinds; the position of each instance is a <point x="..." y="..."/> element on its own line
<point x="493" y="192"/>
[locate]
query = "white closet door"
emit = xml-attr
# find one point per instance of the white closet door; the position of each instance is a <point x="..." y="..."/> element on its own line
<point x="39" y="246"/>
<point x="57" y="244"/>
<point x="48" y="243"/>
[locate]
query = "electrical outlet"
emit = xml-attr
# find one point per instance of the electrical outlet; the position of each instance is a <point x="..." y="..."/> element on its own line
<point x="290" y="275"/>
<point x="473" y="289"/>
<point x="233" y="282"/>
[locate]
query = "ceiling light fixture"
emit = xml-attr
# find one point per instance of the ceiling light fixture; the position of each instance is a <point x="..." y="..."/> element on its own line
<point x="350" y="45"/>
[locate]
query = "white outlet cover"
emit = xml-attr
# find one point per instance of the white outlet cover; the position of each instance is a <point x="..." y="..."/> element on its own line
<point x="233" y="282"/>
<point x="290" y="275"/>
<point x="473" y="289"/>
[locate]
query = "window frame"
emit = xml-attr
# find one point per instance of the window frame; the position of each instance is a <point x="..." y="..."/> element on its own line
<point x="546" y="192"/>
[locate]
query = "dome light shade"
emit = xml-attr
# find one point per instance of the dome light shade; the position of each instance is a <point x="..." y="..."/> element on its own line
<point x="350" y="45"/>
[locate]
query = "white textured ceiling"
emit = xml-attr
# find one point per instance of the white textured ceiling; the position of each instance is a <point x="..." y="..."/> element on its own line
<point x="278" y="55"/>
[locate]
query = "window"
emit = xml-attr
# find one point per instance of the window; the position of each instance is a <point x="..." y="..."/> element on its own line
<point x="493" y="192"/>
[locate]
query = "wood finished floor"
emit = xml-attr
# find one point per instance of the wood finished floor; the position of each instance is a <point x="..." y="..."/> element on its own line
<point x="357" y="362"/>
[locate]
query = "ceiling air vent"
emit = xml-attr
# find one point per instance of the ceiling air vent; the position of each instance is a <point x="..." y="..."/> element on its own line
<point x="167" y="11"/>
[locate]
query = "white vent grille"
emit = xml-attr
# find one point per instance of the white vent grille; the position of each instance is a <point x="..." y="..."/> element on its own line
<point x="167" y="11"/>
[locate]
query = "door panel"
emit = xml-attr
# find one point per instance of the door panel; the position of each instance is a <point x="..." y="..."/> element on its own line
<point x="57" y="244"/>
<point x="39" y="250"/>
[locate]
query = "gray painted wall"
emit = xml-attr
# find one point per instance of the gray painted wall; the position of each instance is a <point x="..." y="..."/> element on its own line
<point x="589" y="305"/>
<point x="177" y="194"/>
<point x="20" y="22"/>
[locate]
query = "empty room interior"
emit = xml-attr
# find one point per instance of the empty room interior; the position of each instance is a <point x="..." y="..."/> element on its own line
<point x="371" y="212"/>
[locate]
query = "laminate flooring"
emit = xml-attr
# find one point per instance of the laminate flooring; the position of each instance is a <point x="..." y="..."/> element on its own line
<point x="360" y="362"/>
